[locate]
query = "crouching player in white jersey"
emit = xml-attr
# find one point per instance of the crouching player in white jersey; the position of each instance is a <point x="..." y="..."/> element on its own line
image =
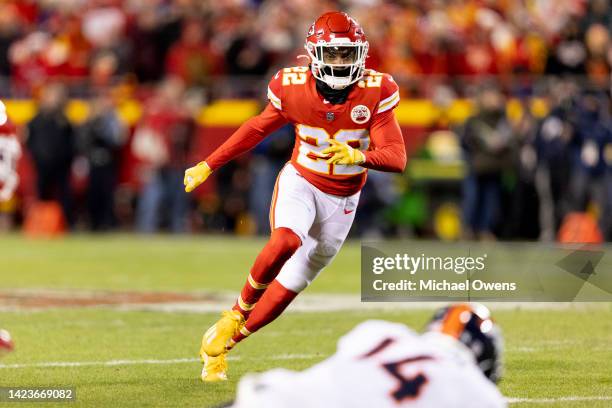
<point x="455" y="363"/>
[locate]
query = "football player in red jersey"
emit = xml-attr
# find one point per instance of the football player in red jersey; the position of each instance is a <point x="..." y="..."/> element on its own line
<point x="344" y="125"/>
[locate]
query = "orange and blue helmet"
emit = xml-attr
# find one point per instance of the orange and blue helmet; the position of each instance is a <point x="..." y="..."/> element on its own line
<point x="471" y="325"/>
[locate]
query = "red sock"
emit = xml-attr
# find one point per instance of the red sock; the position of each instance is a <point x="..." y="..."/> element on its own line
<point x="274" y="301"/>
<point x="282" y="245"/>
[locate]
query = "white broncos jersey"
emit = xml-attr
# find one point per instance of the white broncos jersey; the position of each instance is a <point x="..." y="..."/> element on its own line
<point x="377" y="365"/>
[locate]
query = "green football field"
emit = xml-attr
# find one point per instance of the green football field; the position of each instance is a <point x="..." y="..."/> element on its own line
<point x="120" y="318"/>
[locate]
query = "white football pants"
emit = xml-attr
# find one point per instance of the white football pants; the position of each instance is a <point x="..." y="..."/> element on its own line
<point x="321" y="220"/>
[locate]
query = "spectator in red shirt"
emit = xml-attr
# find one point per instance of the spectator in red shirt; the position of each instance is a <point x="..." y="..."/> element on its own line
<point x="191" y="59"/>
<point x="163" y="140"/>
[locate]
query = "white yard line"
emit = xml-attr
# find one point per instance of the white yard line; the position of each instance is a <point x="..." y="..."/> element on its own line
<point x="557" y="399"/>
<point x="97" y="363"/>
<point x="111" y="363"/>
<point x="315" y="302"/>
<point x="341" y="302"/>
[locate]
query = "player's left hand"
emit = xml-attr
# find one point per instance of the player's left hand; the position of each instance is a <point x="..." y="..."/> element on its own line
<point x="196" y="175"/>
<point x="342" y="153"/>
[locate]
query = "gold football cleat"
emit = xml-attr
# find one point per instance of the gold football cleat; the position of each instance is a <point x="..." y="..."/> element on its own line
<point x="215" y="368"/>
<point x="217" y="338"/>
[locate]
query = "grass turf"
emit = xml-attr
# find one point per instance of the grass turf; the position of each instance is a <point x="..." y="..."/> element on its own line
<point x="550" y="353"/>
<point x="159" y="263"/>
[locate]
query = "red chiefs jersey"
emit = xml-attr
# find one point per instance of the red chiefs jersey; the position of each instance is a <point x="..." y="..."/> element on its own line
<point x="365" y="121"/>
<point x="292" y="91"/>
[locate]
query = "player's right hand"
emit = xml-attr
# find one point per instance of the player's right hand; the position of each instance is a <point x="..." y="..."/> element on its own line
<point x="342" y="153"/>
<point x="196" y="175"/>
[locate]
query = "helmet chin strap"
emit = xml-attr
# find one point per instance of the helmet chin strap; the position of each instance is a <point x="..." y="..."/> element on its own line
<point x="336" y="82"/>
<point x="333" y="96"/>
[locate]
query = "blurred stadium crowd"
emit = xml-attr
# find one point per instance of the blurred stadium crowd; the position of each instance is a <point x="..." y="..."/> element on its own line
<point x="537" y="147"/>
<point x="101" y="41"/>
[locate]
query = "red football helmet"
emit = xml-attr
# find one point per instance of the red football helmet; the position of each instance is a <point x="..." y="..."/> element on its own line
<point x="337" y="47"/>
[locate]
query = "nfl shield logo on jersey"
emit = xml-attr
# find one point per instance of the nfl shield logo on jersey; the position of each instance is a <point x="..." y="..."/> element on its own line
<point x="330" y="116"/>
<point x="360" y="114"/>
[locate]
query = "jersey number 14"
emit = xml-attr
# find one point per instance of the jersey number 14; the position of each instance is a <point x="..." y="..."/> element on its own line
<point x="409" y="387"/>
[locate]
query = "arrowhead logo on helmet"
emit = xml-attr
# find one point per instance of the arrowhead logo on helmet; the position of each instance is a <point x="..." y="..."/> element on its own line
<point x="337" y="47"/>
<point x="311" y="30"/>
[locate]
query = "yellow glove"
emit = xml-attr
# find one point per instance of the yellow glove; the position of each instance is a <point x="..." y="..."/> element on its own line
<point x="196" y="175"/>
<point x="343" y="153"/>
